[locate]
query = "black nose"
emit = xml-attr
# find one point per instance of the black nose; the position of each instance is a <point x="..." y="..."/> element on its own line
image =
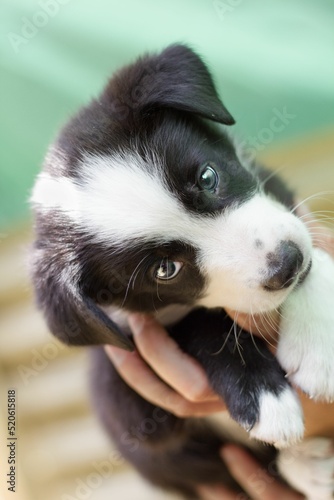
<point x="283" y="266"/>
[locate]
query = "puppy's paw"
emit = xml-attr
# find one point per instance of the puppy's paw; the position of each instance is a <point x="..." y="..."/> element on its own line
<point x="280" y="419"/>
<point x="309" y="467"/>
<point x="306" y="345"/>
<point x="313" y="373"/>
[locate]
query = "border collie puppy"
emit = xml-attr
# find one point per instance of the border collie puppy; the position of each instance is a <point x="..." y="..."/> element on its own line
<point x="144" y="204"/>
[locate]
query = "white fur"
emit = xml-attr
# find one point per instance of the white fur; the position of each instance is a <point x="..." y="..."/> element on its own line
<point x="59" y="193"/>
<point x="119" y="199"/>
<point x="306" y="346"/>
<point x="118" y="315"/>
<point x="56" y="161"/>
<point x="281" y="419"/>
<point x="236" y="267"/>
<point x="167" y="316"/>
<point x="124" y="198"/>
<point x="309" y="467"/>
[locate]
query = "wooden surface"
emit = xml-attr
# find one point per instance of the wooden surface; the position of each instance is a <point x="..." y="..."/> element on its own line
<point x="60" y="443"/>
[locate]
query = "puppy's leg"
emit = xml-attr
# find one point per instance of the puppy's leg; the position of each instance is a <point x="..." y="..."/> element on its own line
<point x="172" y="453"/>
<point x="309" y="467"/>
<point x="248" y="377"/>
<point x="306" y="346"/>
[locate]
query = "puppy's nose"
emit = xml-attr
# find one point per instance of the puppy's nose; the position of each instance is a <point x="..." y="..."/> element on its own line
<point x="283" y="266"/>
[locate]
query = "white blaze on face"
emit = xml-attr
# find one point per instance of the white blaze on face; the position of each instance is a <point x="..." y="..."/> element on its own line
<point x="121" y="198"/>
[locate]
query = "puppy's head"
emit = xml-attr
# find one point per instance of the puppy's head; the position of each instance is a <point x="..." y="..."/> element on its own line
<point x="143" y="203"/>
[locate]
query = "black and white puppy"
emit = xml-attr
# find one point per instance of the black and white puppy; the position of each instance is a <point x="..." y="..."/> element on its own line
<point x="144" y="204"/>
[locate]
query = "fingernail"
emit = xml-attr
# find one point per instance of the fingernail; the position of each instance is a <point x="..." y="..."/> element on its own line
<point x="137" y="322"/>
<point x="116" y="354"/>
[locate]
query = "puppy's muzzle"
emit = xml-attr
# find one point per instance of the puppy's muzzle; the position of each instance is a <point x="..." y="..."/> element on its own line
<point x="284" y="266"/>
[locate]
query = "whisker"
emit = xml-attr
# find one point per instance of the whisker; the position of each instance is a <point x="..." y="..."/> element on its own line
<point x="281" y="315"/>
<point x="270" y="320"/>
<point x="272" y="174"/>
<point x="318" y="195"/>
<point x="260" y="331"/>
<point x="319" y="221"/>
<point x="236" y="339"/>
<point x="318" y="212"/>
<point x="157" y="293"/>
<point x="252" y="336"/>
<point x="133" y="277"/>
<point x="319" y="217"/>
<point x="225" y="341"/>
<point x="317" y="233"/>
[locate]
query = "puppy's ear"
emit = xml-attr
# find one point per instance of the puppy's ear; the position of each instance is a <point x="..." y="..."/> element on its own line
<point x="71" y="316"/>
<point x="177" y="78"/>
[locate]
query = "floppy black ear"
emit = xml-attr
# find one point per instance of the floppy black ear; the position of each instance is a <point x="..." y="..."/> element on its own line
<point x="176" y="78"/>
<point x="71" y="316"/>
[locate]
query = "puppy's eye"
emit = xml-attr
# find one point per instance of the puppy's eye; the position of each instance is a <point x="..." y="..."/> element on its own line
<point x="168" y="269"/>
<point x="208" y="178"/>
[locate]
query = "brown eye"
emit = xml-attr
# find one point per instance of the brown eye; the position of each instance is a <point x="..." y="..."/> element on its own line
<point x="168" y="269"/>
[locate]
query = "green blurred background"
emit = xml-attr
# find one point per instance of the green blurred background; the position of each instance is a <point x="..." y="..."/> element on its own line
<point x="265" y="55"/>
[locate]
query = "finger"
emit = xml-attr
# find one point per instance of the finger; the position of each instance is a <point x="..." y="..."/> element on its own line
<point x="256" y="481"/>
<point x="164" y="356"/>
<point x="143" y="380"/>
<point x="217" y="493"/>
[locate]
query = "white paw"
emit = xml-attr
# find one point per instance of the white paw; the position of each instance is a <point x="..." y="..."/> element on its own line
<point x="281" y="419"/>
<point x="309" y="467"/>
<point x="306" y="346"/>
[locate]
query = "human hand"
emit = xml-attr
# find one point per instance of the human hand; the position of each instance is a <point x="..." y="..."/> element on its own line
<point x="162" y="373"/>
<point x="248" y="473"/>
